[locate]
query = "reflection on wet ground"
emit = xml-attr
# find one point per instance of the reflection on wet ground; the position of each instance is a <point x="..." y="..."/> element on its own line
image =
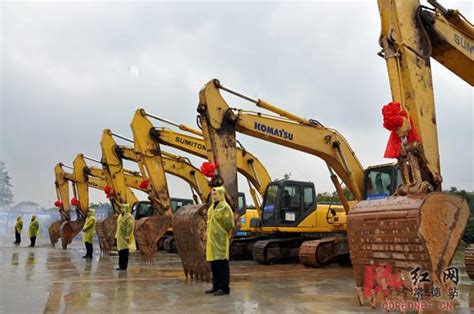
<point x="50" y="280"/>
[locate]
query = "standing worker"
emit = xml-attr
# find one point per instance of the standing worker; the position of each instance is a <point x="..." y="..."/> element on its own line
<point x="88" y="232"/>
<point x="18" y="228"/>
<point x="33" y="230"/>
<point x="220" y="223"/>
<point x="125" y="236"/>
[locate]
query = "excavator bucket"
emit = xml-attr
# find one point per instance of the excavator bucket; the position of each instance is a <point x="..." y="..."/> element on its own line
<point x="148" y="232"/>
<point x="406" y="232"/>
<point x="105" y="229"/>
<point x="69" y="230"/>
<point x="469" y="260"/>
<point x="53" y="232"/>
<point x="189" y="229"/>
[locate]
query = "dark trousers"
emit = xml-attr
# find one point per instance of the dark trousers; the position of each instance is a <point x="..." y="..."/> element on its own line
<point x="220" y="275"/>
<point x="32" y="241"/>
<point x="89" y="249"/>
<point x="123" y="259"/>
<point x="17" y="237"/>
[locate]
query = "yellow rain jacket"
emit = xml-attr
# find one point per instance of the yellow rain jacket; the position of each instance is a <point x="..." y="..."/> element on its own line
<point x="125" y="229"/>
<point x="89" y="227"/>
<point x="118" y="223"/>
<point x="19" y="224"/>
<point x="220" y="222"/>
<point x="33" y="229"/>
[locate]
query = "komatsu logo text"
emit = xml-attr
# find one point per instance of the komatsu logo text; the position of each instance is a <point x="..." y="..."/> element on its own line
<point x="273" y="131"/>
<point x="190" y="143"/>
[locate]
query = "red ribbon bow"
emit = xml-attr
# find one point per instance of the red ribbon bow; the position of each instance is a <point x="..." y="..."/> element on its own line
<point x="74" y="201"/>
<point x="208" y="169"/>
<point x="144" y="184"/>
<point x="108" y="191"/>
<point x="393" y="118"/>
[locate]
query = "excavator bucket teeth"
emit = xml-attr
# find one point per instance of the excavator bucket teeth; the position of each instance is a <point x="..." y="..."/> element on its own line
<point x="148" y="232"/>
<point x="53" y="232"/>
<point x="189" y="229"/>
<point x="406" y="232"/>
<point x="469" y="260"/>
<point x="69" y="230"/>
<point x="106" y="229"/>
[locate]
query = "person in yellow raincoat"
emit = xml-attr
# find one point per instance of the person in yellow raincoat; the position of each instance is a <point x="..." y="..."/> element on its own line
<point x="220" y="223"/>
<point x="88" y="232"/>
<point x="18" y="228"/>
<point x="125" y="236"/>
<point x="33" y="230"/>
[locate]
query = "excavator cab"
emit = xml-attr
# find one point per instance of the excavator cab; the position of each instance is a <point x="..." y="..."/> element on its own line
<point x="180" y="202"/>
<point x="381" y="181"/>
<point x="144" y="209"/>
<point x="287" y="203"/>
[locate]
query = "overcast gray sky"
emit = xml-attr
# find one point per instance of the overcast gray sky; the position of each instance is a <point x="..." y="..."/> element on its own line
<point x="69" y="70"/>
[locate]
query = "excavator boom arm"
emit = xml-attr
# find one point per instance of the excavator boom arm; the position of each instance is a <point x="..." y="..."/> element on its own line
<point x="247" y="164"/>
<point x="411" y="35"/>
<point x="219" y="121"/>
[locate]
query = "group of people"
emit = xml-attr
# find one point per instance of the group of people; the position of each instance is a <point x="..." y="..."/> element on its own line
<point x="124" y="235"/>
<point x="33" y="230"/>
<point x="220" y="225"/>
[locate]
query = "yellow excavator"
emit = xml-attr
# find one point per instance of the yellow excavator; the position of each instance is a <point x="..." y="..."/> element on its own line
<point x="61" y="183"/>
<point x="147" y="154"/>
<point x="65" y="228"/>
<point x="419" y="225"/>
<point x="247" y="164"/>
<point x="112" y="156"/>
<point x="172" y="164"/>
<point x="70" y="228"/>
<point x="298" y="227"/>
<point x="132" y="179"/>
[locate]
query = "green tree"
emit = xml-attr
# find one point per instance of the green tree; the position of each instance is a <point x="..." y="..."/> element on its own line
<point x="6" y="194"/>
<point x="327" y="197"/>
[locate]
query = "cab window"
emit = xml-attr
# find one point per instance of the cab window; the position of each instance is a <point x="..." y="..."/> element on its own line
<point x="290" y="203"/>
<point x="270" y="202"/>
<point x="241" y="204"/>
<point x="175" y="204"/>
<point x="308" y="197"/>
<point x="143" y="209"/>
<point x="379" y="183"/>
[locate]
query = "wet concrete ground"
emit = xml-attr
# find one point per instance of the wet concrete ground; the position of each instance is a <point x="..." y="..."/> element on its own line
<point x="50" y="280"/>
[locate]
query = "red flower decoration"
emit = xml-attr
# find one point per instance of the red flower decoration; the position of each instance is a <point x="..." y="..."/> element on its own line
<point x="74" y="201"/>
<point x="108" y="191"/>
<point x="208" y="169"/>
<point x="144" y="184"/>
<point x="58" y="203"/>
<point x="393" y="118"/>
